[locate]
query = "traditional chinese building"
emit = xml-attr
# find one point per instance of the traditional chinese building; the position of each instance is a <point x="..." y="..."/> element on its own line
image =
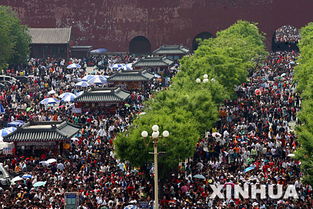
<point x="35" y="138"/>
<point x="156" y="64"/>
<point x="173" y="52"/>
<point x="50" y="42"/>
<point x="105" y="99"/>
<point x="80" y="51"/>
<point x="131" y="80"/>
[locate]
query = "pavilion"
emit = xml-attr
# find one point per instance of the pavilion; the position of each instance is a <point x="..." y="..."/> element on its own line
<point x="173" y="52"/>
<point x="131" y="80"/>
<point x="107" y="99"/>
<point x="156" y="64"/>
<point x="41" y="137"/>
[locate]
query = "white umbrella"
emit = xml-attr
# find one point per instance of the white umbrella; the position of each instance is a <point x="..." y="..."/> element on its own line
<point x="60" y="166"/>
<point x="79" y="93"/>
<point x="98" y="79"/>
<point x="118" y="66"/>
<point x="52" y="160"/>
<point x="27" y="176"/>
<point x="87" y="77"/>
<point x="131" y="206"/>
<point x="7" y="131"/>
<point x="291" y="155"/>
<point x="74" y="139"/>
<point x="157" y="75"/>
<point x="50" y="100"/>
<point x="199" y="176"/>
<point x="17" y="178"/>
<point x="95" y="81"/>
<point x="216" y="135"/>
<point x="99" y="51"/>
<point x="51" y="92"/>
<point x="73" y="66"/>
<point x="69" y="98"/>
<point x="129" y="66"/>
<point x="82" y="84"/>
<point x="39" y="184"/>
<point x="66" y="94"/>
<point x="16" y="123"/>
<point x="44" y="163"/>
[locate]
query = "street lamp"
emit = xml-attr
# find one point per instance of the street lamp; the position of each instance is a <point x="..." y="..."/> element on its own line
<point x="205" y="79"/>
<point x="155" y="138"/>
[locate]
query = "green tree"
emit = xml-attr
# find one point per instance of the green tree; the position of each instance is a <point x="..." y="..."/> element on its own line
<point x="15" y="40"/>
<point x="178" y="146"/>
<point x="304" y="80"/>
<point x="6" y="45"/>
<point x="305" y="138"/>
<point x="216" y="62"/>
<point x="19" y="35"/>
<point x="188" y="109"/>
<point x="225" y="58"/>
<point x="198" y="103"/>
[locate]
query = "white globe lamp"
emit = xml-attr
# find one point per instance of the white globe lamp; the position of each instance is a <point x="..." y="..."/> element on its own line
<point x="155" y="128"/>
<point x="155" y="134"/>
<point x="165" y="133"/>
<point x="144" y="134"/>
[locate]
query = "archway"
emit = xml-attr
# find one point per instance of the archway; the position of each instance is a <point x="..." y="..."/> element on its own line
<point x="139" y="45"/>
<point x="201" y="36"/>
<point x="285" y="38"/>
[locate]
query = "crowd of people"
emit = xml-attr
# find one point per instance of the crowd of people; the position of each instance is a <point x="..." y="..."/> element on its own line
<point x="287" y="33"/>
<point x="22" y="99"/>
<point x="255" y="130"/>
<point x="89" y="167"/>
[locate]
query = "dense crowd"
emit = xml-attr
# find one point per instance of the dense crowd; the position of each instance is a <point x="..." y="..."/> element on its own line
<point x="89" y="166"/>
<point x="287" y="33"/>
<point x="254" y="130"/>
<point x="22" y="99"/>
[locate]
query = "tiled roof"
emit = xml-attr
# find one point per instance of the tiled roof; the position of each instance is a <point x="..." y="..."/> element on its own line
<point x="50" y="35"/>
<point x="171" y="50"/>
<point x="134" y="75"/>
<point x="103" y="95"/>
<point x="43" y="131"/>
<point x="153" y="62"/>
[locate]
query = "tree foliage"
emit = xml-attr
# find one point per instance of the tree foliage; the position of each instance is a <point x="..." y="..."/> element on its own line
<point x="187" y="109"/>
<point x="14" y="44"/>
<point x="304" y="79"/>
<point x="179" y="145"/>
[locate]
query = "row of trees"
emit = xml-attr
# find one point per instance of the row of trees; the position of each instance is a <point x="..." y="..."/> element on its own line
<point x="14" y="39"/>
<point x="188" y="109"/>
<point x="304" y="79"/>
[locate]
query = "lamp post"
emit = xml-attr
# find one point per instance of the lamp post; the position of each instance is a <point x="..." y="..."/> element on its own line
<point x="205" y="79"/>
<point x="155" y="138"/>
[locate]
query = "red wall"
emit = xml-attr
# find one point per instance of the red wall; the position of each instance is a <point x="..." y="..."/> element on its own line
<point x="113" y="23"/>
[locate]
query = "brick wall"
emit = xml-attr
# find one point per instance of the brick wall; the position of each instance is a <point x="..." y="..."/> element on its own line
<point x="113" y="23"/>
